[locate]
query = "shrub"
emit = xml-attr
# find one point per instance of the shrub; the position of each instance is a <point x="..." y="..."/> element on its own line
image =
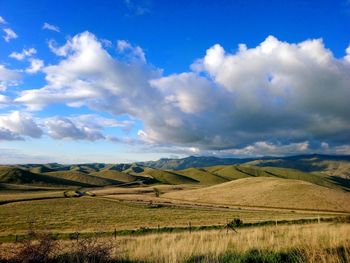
<point x="236" y="222"/>
<point x="91" y="249"/>
<point x="37" y="248"/>
<point x="157" y="192"/>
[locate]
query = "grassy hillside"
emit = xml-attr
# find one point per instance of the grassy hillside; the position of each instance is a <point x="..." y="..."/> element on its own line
<point x="233" y="172"/>
<point x="202" y="176"/>
<point x="13" y="175"/>
<point x="230" y="172"/>
<point x="330" y="165"/>
<point x="115" y="175"/>
<point x="168" y="177"/>
<point x="83" y="178"/>
<point x="269" y="192"/>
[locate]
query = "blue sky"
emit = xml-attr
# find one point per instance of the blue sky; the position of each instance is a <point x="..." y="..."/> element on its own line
<point x="118" y="81"/>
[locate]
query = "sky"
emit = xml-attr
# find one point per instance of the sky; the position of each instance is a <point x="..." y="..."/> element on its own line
<point x="135" y="80"/>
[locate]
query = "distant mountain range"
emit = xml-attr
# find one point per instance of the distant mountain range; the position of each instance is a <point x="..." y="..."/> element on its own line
<point x="325" y="170"/>
<point x="307" y="163"/>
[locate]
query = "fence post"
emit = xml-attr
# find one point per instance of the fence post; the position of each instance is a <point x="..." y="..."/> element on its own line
<point x="276" y="221"/>
<point x="190" y="226"/>
<point x="318" y="219"/>
<point x="115" y="233"/>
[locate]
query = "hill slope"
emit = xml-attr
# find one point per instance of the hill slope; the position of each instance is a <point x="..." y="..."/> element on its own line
<point x="202" y="176"/>
<point x="82" y="178"/>
<point x="269" y="192"/>
<point x="14" y="175"/>
<point x="192" y="161"/>
<point x="168" y="177"/>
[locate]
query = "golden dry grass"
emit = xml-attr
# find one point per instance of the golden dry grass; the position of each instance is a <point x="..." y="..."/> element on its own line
<point x="325" y="243"/>
<point x="269" y="192"/>
<point x="90" y="214"/>
<point x="180" y="247"/>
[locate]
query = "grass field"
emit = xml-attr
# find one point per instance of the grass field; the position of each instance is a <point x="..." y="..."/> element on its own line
<point x="316" y="241"/>
<point x="325" y="242"/>
<point x="269" y="192"/>
<point x="89" y="214"/>
<point x="86" y="199"/>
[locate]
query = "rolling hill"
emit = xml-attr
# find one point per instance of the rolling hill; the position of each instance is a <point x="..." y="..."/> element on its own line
<point x="202" y="176"/>
<point x="115" y="175"/>
<point x="269" y="192"/>
<point x="82" y="178"/>
<point x="168" y="177"/>
<point x="14" y="175"/>
<point x="328" y="171"/>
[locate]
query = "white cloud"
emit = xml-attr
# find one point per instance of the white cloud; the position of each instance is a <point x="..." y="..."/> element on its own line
<point x="82" y="127"/>
<point x="275" y="92"/>
<point x="2" y="21"/>
<point x="134" y="52"/>
<point x="17" y="125"/>
<point x="24" y="54"/>
<point x="347" y="57"/>
<point x="35" y="66"/>
<point x="4" y="101"/>
<point x="263" y="148"/>
<point x="63" y="128"/>
<point x="106" y="42"/>
<point x="20" y="124"/>
<point x="8" y="77"/>
<point x="9" y="34"/>
<point x="51" y="27"/>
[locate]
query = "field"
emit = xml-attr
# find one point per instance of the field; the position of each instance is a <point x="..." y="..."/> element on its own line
<point x="89" y="214"/>
<point x="313" y="243"/>
<point x="216" y="246"/>
<point x="270" y="192"/>
<point x="183" y="215"/>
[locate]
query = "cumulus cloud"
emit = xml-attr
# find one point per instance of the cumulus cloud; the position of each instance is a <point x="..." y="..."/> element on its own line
<point x="20" y="124"/>
<point x="133" y="52"/>
<point x="82" y="127"/>
<point x="35" y="66"/>
<point x="9" y="34"/>
<point x="256" y="99"/>
<point x="8" y="77"/>
<point x="51" y="27"/>
<point x="4" y="101"/>
<point x="23" y="54"/>
<point x="63" y="128"/>
<point x="7" y="135"/>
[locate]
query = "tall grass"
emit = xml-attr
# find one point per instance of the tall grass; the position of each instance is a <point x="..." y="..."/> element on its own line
<point x="311" y="243"/>
<point x="325" y="242"/>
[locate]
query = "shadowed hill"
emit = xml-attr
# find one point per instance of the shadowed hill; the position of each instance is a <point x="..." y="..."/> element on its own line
<point x="168" y="177"/>
<point x="269" y="192"/>
<point x="202" y="176"/>
<point x="192" y="161"/>
<point x="115" y="175"/>
<point x="327" y="164"/>
<point x="334" y="165"/>
<point x="13" y="175"/>
<point x="83" y="178"/>
<point x="233" y="172"/>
